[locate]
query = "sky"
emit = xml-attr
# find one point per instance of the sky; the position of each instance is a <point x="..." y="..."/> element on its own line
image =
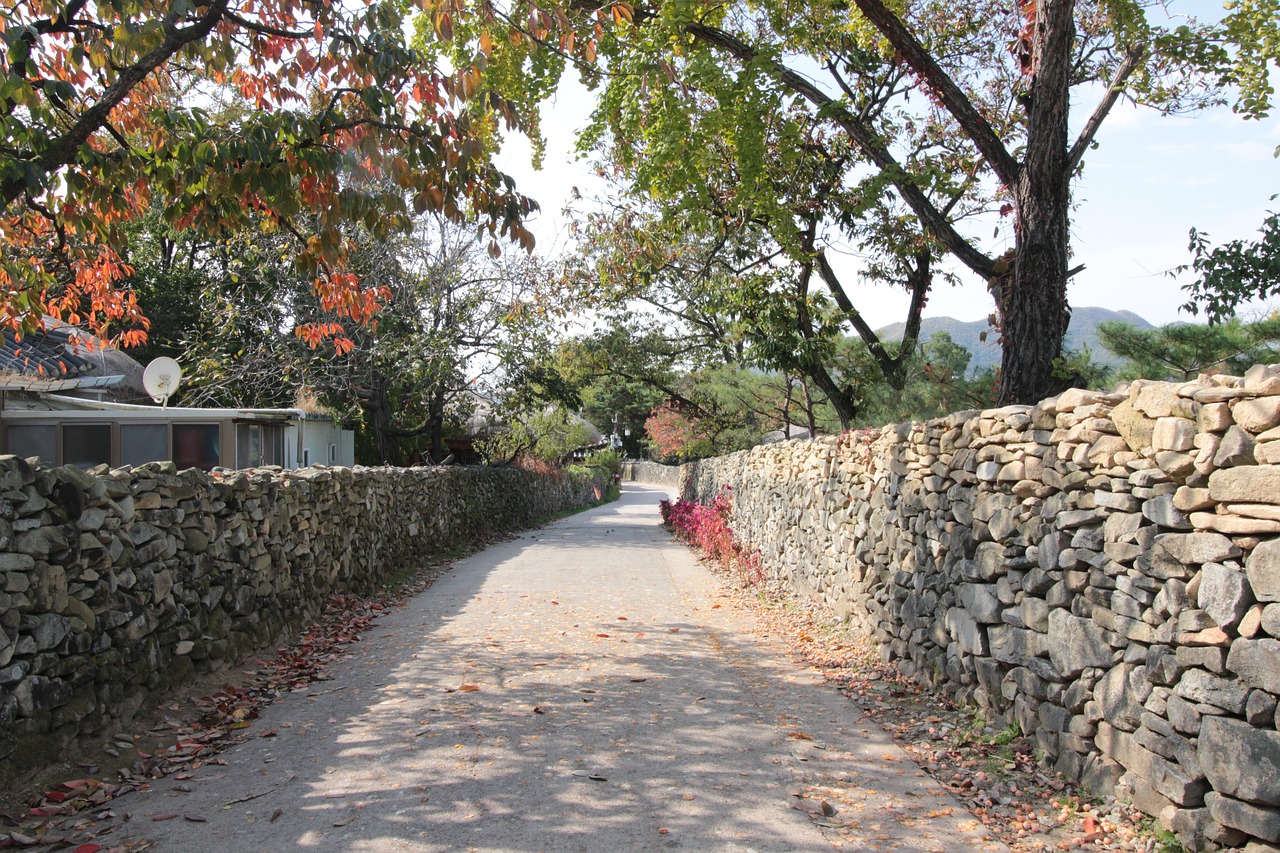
<point x="1150" y="181"/>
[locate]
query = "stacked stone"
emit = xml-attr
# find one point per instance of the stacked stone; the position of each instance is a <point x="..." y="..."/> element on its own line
<point x="1101" y="569"/>
<point x="119" y="584"/>
<point x="670" y="476"/>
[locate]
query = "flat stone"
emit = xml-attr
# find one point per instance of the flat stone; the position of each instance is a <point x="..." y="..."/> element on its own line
<point x="1161" y="511"/>
<point x="1177" y="465"/>
<point x="1271" y="619"/>
<point x="1196" y="685"/>
<point x="1014" y="645"/>
<point x="1134" y="427"/>
<point x="1257" y="662"/>
<point x="981" y="601"/>
<point x="1240" y="761"/>
<point x="13" y="562"/>
<point x="1251" y="622"/>
<point x="1076" y="644"/>
<point x="1246" y="484"/>
<point x="965" y="630"/>
<point x="1258" y="821"/>
<point x="1214" y="417"/>
<point x="1188" y="499"/>
<point x="1121" y="704"/>
<point x="1233" y="525"/>
<point x="1270" y="512"/>
<point x="1218" y="394"/>
<point x="1177" y="434"/>
<point x="1197" y="548"/>
<point x="50" y="630"/>
<point x="1155" y="399"/>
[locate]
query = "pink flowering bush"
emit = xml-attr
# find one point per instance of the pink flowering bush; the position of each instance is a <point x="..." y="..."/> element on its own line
<point x="707" y="527"/>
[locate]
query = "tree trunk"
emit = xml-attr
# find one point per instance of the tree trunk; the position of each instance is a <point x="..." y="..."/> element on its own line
<point x="436" y="413"/>
<point x="378" y="420"/>
<point x="845" y="404"/>
<point x="1032" y="297"/>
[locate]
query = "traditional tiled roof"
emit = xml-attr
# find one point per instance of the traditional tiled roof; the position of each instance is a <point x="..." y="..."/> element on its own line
<point x="50" y="354"/>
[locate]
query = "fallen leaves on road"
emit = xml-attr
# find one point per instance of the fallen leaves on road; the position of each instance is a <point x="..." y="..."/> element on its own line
<point x="76" y="811"/>
<point x="1027" y="806"/>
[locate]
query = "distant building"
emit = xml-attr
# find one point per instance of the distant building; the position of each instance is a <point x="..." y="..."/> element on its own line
<point x="69" y="431"/>
<point x="59" y="403"/>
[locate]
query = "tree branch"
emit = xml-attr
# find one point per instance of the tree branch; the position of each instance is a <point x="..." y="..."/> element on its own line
<point x="1132" y="61"/>
<point x="866" y="139"/>
<point x="917" y="56"/>
<point x="63" y="150"/>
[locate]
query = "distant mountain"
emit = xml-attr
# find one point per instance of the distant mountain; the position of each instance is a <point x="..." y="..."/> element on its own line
<point x="1082" y="332"/>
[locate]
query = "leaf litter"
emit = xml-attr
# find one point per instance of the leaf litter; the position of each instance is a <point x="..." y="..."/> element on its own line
<point x="76" y="815"/>
<point x="993" y="773"/>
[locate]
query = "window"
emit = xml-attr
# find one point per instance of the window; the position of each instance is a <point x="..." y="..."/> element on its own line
<point x="259" y="444"/>
<point x="196" y="446"/>
<point x="141" y="443"/>
<point x="249" y="450"/>
<point x="333" y="454"/>
<point x="86" y="445"/>
<point x="306" y="457"/>
<point x="34" y="440"/>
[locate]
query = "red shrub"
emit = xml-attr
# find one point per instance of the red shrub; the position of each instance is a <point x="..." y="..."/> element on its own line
<point x="707" y="527"/>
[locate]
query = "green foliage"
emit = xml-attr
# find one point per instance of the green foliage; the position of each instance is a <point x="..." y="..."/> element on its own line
<point x="551" y="434"/>
<point x="1252" y="27"/>
<point x="760" y="140"/>
<point x="262" y="115"/>
<point x="1233" y="273"/>
<point x="936" y="385"/>
<point x="1181" y="351"/>
<point x="605" y="460"/>
<point x="454" y="316"/>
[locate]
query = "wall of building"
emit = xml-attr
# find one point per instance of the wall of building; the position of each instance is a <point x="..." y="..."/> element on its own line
<point x="114" y="588"/>
<point x="1101" y="569"/>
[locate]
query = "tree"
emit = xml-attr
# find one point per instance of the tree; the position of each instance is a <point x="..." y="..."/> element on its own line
<point x="991" y="121"/>
<point x="550" y="434"/>
<point x="1239" y="270"/>
<point x="1233" y="273"/>
<point x="111" y="107"/>
<point x="454" y="319"/>
<point x="1181" y="351"/>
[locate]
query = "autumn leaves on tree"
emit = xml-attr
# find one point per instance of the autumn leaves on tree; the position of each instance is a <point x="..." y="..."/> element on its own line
<point x="226" y="115"/>
<point x="797" y="130"/>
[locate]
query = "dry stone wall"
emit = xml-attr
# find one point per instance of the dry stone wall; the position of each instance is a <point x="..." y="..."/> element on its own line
<point x="115" y="586"/>
<point x="1101" y="569"/>
<point x="643" y="471"/>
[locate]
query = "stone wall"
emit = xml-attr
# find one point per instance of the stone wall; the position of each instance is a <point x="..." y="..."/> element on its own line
<point x="1101" y="569"/>
<point x="671" y="476"/>
<point x="118" y="585"/>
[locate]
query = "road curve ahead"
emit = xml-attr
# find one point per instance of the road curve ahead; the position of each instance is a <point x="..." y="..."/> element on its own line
<point x="584" y="687"/>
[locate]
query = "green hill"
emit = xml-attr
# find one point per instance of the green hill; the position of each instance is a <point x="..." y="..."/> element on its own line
<point x="1082" y="332"/>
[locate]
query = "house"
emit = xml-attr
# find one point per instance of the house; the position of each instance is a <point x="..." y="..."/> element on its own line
<point x="54" y="405"/>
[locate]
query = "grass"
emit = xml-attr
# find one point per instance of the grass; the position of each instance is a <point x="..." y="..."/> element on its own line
<point x="1166" y="841"/>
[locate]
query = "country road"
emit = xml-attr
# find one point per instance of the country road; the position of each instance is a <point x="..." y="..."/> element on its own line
<point x="584" y="687"/>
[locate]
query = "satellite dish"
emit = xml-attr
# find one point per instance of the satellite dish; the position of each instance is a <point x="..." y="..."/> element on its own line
<point x="161" y="379"/>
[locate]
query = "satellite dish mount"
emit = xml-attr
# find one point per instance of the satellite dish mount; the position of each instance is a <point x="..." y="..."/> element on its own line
<point x="161" y="379"/>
